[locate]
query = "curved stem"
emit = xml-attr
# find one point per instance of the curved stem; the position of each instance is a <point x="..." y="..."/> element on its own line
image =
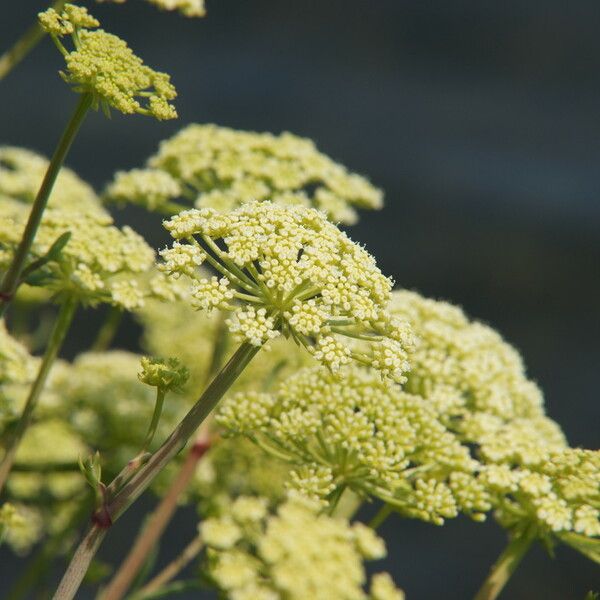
<point x="506" y="564"/>
<point x="61" y="326"/>
<point x="158" y="406"/>
<point x="146" y="474"/>
<point x="12" y="277"/>
<point x="25" y="44"/>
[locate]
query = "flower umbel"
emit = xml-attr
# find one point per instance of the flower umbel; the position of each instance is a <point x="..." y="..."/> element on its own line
<point x="103" y="65"/>
<point x="296" y="553"/>
<point x="291" y="272"/>
<point x="221" y="168"/>
<point x="361" y="432"/>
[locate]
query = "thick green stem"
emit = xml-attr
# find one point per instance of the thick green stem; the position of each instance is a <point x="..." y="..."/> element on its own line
<point x="12" y="277"/>
<point x="25" y="44"/>
<point x="146" y="474"/>
<point x="63" y="322"/>
<point x="506" y="564"/>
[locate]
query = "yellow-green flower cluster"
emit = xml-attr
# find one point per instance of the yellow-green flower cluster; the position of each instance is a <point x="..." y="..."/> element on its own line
<point x="99" y="263"/>
<point x="221" y="168"/>
<point x="362" y="432"/>
<point x="188" y="8"/>
<point x="288" y="270"/>
<point x="22" y="172"/>
<point x="294" y="554"/>
<point x="559" y="496"/>
<point x="478" y="384"/>
<point x="477" y="380"/>
<point x="103" y="65"/>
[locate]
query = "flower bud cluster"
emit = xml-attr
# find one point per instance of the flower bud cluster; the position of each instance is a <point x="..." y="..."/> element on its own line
<point x="294" y="273"/>
<point x="103" y="400"/>
<point x="220" y="168"/>
<point x="296" y="553"/>
<point x="167" y="374"/>
<point x="103" y="65"/>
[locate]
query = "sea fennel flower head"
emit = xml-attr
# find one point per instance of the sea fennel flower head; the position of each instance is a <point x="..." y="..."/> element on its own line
<point x="103" y="65"/>
<point x="287" y="270"/>
<point x="477" y="380"/>
<point x="360" y="432"/>
<point x="221" y="168"/>
<point x="295" y="553"/>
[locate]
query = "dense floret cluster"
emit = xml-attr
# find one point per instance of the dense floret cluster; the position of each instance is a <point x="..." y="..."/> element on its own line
<point x="220" y="168"/>
<point x="253" y="555"/>
<point x="292" y="273"/>
<point x="360" y="432"/>
<point x="103" y="65"/>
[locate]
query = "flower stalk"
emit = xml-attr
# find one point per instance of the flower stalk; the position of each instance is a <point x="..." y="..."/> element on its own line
<point x="119" y="503"/>
<point x="506" y="564"/>
<point x="61" y="327"/>
<point x="12" y="277"/>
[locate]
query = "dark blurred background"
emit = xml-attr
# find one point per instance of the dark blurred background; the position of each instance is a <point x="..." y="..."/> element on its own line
<point x="480" y="120"/>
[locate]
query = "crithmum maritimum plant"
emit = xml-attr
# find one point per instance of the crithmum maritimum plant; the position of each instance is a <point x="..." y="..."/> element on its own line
<point x="280" y="384"/>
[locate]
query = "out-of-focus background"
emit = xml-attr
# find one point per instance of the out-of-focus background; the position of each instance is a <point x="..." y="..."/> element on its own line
<point x="480" y="120"/>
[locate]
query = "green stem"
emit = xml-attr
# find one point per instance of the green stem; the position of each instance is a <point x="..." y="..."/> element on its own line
<point x="25" y="44"/>
<point x="63" y="322"/>
<point x="506" y="564"/>
<point x="334" y="498"/>
<point x="158" y="406"/>
<point x="12" y="277"/>
<point x="108" y="330"/>
<point x="384" y="512"/>
<point x="145" y="475"/>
